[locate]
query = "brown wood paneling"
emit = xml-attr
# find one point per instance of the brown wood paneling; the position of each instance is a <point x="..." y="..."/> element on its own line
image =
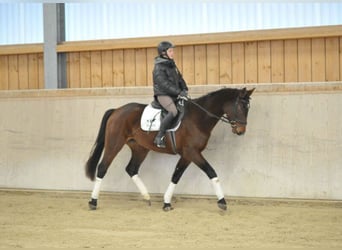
<point x="200" y="39"/>
<point x="85" y="69"/>
<point x="33" y="70"/>
<point x="118" y="68"/>
<point x="304" y="60"/>
<point x="213" y="64"/>
<point x="151" y="54"/>
<point x="251" y="62"/>
<point x="188" y="60"/>
<point x="74" y="70"/>
<point x="20" y="49"/>
<point x="318" y="59"/>
<point x="68" y="70"/>
<point x="107" y="68"/>
<point x="200" y="64"/>
<point x="264" y="62"/>
<point x="284" y="55"/>
<point x="23" y="71"/>
<point x="4" y="72"/>
<point x="129" y="67"/>
<point x="13" y="76"/>
<point x="96" y="68"/>
<point x="225" y="60"/>
<point x="291" y="60"/>
<point x="141" y="67"/>
<point x="332" y="59"/>
<point x="238" y="63"/>
<point x="178" y="55"/>
<point x="41" y="82"/>
<point x="340" y="58"/>
<point x="277" y="61"/>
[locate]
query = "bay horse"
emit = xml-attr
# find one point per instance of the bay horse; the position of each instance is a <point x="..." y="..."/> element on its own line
<point x="122" y="126"/>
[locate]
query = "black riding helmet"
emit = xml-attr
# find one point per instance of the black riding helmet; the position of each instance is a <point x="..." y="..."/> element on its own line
<point x="164" y="46"/>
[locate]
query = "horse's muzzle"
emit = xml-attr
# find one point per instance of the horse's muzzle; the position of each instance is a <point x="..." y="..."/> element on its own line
<point x="239" y="130"/>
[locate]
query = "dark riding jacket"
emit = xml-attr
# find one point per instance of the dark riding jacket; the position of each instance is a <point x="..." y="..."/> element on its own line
<point x="167" y="80"/>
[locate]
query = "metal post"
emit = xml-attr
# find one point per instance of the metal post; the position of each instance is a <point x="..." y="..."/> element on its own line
<point x="54" y="32"/>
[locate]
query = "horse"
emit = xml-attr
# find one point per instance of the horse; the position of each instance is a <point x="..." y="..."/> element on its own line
<point x="121" y="126"/>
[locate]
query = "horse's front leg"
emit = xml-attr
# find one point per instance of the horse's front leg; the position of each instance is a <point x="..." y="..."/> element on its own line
<point x="221" y="203"/>
<point x="177" y="174"/>
<point x="138" y="156"/>
<point x="202" y="163"/>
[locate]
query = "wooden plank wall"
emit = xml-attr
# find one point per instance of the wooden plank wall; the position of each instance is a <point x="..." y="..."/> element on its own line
<point x="24" y="71"/>
<point x="270" y="61"/>
<point x="110" y="68"/>
<point x="311" y="54"/>
<point x="21" y="67"/>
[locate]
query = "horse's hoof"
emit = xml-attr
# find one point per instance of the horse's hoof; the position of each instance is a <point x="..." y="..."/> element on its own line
<point x="92" y="204"/>
<point x="167" y="207"/>
<point x="222" y="204"/>
<point x="147" y="199"/>
<point x="149" y="203"/>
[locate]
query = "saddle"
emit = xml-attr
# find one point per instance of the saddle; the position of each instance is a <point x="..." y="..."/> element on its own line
<point x="154" y="113"/>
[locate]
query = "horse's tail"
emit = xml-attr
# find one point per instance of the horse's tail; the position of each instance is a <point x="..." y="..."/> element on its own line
<point x="97" y="149"/>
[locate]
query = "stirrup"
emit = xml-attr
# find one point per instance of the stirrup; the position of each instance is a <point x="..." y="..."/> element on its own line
<point x="160" y="142"/>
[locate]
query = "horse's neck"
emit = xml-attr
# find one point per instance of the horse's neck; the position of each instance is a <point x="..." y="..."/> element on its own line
<point x="213" y="105"/>
<point x="208" y="114"/>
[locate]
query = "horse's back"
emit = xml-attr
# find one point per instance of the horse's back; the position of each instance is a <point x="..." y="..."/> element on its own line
<point x="132" y="107"/>
<point x="128" y="114"/>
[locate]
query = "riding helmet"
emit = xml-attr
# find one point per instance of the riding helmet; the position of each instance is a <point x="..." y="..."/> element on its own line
<point x="164" y="46"/>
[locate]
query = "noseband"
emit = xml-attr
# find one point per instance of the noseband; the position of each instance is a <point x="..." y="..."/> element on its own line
<point x="224" y="118"/>
<point x="233" y="122"/>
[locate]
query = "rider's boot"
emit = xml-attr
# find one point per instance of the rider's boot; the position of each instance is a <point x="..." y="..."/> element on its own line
<point x="159" y="140"/>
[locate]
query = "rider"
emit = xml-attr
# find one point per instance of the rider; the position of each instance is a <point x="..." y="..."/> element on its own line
<point x="168" y="85"/>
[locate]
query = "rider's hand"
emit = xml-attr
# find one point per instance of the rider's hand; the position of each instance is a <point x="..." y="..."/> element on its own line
<point x="183" y="95"/>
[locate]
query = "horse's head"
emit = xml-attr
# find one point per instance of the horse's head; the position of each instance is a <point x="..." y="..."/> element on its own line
<point x="236" y="112"/>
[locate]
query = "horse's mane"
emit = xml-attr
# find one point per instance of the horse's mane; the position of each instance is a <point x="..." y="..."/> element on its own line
<point x="228" y="93"/>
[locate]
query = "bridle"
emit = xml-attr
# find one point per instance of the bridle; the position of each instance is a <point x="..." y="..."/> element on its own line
<point x="224" y="118"/>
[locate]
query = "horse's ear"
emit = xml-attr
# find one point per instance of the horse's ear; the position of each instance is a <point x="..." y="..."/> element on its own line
<point x="243" y="92"/>
<point x="249" y="92"/>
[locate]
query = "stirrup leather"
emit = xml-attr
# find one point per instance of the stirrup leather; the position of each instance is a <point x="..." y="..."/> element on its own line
<point x="160" y="141"/>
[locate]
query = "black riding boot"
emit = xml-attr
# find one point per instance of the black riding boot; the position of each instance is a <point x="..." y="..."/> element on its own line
<point x="165" y="123"/>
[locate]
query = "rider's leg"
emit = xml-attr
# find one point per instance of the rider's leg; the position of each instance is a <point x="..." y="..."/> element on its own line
<point x="159" y="140"/>
<point x="170" y="106"/>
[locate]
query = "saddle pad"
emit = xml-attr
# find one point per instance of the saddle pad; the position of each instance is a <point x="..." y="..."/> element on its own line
<point x="150" y="119"/>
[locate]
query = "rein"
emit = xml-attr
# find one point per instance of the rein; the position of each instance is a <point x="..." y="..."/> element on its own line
<point x="223" y="118"/>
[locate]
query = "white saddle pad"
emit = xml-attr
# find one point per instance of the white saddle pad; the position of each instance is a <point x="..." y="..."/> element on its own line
<point x="150" y="119"/>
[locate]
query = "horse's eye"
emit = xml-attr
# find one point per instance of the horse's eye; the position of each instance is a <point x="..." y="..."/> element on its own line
<point x="245" y="104"/>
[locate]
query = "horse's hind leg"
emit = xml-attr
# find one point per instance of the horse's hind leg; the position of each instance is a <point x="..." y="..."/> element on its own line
<point x="111" y="150"/>
<point x="138" y="156"/>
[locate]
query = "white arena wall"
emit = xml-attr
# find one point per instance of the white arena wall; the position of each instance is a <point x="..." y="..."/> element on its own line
<point x="292" y="147"/>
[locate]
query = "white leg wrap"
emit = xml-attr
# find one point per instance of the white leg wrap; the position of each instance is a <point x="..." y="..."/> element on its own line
<point x="217" y="188"/>
<point x="141" y="186"/>
<point x="96" y="190"/>
<point x="169" y="193"/>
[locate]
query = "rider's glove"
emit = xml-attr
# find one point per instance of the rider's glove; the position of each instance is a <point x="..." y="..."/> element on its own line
<point x="183" y="95"/>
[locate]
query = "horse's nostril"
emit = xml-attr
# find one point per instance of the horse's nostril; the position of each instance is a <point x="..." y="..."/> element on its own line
<point x="240" y="132"/>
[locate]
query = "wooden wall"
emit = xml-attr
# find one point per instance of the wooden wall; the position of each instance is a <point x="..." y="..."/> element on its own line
<point x="21" y="67"/>
<point x="266" y="56"/>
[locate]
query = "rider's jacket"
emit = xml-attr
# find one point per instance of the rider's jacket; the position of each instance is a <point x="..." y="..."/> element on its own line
<point x="167" y="80"/>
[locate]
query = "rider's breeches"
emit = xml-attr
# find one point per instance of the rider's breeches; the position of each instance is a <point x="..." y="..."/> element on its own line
<point x="168" y="104"/>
